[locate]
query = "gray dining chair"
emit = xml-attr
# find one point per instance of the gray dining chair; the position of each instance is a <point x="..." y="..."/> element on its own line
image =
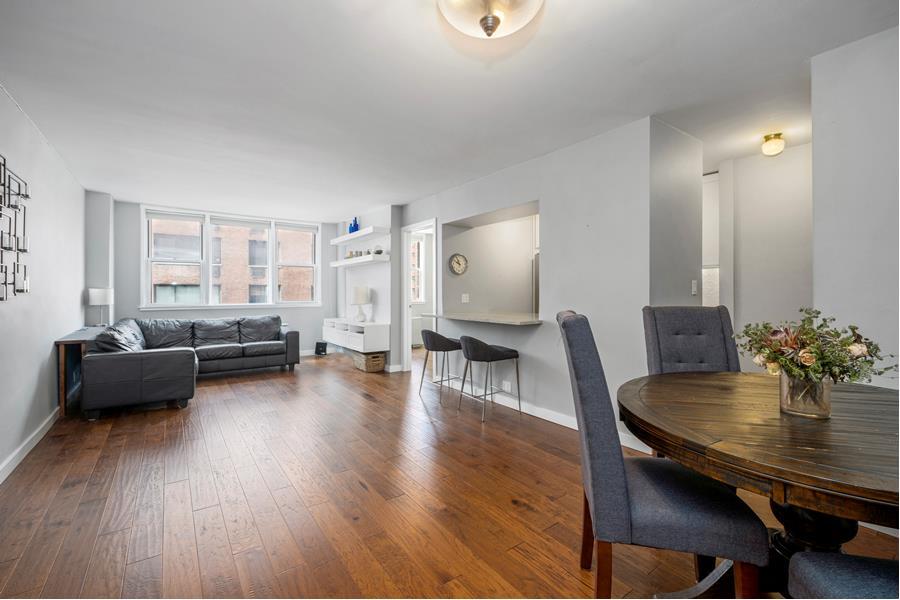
<point x="649" y="501"/>
<point x="833" y="575"/>
<point x="689" y="338"/>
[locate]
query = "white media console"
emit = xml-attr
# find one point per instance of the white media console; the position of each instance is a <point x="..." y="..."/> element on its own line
<point x="355" y="335"/>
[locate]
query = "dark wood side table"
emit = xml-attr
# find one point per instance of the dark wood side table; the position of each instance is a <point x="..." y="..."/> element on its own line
<point x="69" y="350"/>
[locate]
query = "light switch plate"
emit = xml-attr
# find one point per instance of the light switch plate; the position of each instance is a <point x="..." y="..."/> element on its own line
<point x="693" y="287"/>
<point x="465" y="299"/>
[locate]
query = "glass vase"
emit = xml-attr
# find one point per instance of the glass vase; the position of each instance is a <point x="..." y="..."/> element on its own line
<point x="806" y="398"/>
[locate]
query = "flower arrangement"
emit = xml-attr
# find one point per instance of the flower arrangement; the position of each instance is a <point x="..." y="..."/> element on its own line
<point x="813" y="349"/>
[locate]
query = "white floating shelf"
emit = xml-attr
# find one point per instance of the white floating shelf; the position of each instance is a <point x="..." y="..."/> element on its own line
<point x="364" y="233"/>
<point x="361" y="260"/>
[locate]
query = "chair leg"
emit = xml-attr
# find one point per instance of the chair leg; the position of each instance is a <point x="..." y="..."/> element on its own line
<point x="703" y="566"/>
<point x="746" y="580"/>
<point x="424" y="368"/>
<point x="587" y="536"/>
<point x="484" y="398"/>
<point x="491" y="371"/>
<point x="603" y="585"/>
<point x="518" y="389"/>
<point x="462" y="386"/>
<point x="441" y="386"/>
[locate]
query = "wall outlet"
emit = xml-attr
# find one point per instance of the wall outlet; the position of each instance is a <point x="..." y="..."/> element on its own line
<point x="506" y="386"/>
<point x="693" y="287"/>
<point x="465" y="299"/>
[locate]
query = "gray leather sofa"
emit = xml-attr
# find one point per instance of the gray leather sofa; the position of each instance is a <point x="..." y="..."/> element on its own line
<point x="138" y="361"/>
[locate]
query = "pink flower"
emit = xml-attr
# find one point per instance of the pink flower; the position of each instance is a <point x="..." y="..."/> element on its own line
<point x="806" y="357"/>
<point x="858" y="349"/>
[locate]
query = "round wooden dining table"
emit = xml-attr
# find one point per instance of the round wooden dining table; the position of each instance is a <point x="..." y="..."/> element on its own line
<point x="822" y="476"/>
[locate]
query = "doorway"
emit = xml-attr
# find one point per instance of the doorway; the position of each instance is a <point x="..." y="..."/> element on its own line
<point x="419" y="286"/>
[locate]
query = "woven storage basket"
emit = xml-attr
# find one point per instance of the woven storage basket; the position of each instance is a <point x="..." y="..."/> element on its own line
<point x="370" y="363"/>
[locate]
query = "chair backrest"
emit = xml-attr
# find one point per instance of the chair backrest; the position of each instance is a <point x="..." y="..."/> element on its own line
<point x="475" y="349"/>
<point x="689" y="338"/>
<point x="602" y="465"/>
<point x="435" y="342"/>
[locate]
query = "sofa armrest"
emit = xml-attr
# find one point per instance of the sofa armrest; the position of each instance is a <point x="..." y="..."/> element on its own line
<point x="124" y="378"/>
<point x="291" y="339"/>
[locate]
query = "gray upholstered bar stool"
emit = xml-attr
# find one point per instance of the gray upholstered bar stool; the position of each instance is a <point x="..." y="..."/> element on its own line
<point x="435" y="342"/>
<point x="474" y="350"/>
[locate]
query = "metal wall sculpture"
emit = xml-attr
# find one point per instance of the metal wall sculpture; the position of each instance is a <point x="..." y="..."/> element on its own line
<point x="13" y="238"/>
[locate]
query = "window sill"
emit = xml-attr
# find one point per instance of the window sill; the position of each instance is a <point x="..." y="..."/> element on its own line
<point x="171" y="307"/>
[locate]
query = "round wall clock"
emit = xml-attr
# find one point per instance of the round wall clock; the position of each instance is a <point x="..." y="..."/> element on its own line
<point x="458" y="264"/>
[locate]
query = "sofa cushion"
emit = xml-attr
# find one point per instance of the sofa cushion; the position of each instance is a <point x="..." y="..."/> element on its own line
<point x="118" y="338"/>
<point x="218" y="351"/>
<point x="260" y="329"/>
<point x="133" y="326"/>
<point x="263" y="348"/>
<point x="216" y="331"/>
<point x="167" y="333"/>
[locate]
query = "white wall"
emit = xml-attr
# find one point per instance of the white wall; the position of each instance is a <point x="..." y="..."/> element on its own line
<point x="500" y="274"/>
<point x="772" y="232"/>
<point x="29" y="324"/>
<point x="594" y="213"/>
<point x="855" y="193"/>
<point x="375" y="276"/>
<point x="99" y="268"/>
<point x="128" y="253"/>
<point x="710" y="254"/>
<point x="676" y="170"/>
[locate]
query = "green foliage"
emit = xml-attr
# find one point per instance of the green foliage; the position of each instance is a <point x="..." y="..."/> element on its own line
<point x="813" y="349"/>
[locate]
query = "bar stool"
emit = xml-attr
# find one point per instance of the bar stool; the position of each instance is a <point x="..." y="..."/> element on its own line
<point x="474" y="350"/>
<point x="435" y="342"/>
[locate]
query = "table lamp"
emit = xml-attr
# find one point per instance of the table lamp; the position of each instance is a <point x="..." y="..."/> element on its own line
<point x="101" y="297"/>
<point x="360" y="298"/>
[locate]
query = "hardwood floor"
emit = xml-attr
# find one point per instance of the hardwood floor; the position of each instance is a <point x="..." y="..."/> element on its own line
<point x="327" y="482"/>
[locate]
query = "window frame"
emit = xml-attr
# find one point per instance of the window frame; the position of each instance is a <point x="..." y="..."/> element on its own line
<point x="149" y="261"/>
<point x="420" y="241"/>
<point x="316" y="266"/>
<point x="207" y="220"/>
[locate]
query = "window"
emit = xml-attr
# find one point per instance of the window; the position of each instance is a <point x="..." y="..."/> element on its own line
<point x="416" y="273"/>
<point x="296" y="262"/>
<point x="241" y="274"/>
<point x="198" y="259"/>
<point x="258" y="294"/>
<point x="174" y="253"/>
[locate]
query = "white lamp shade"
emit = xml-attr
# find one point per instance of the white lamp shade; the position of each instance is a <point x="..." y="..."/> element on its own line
<point x="360" y="295"/>
<point x="101" y="296"/>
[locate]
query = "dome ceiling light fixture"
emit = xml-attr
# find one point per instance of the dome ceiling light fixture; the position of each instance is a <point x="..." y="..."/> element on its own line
<point x="489" y="18"/>
<point x="773" y="144"/>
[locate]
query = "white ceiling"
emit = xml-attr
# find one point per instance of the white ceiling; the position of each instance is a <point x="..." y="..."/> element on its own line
<point x="326" y="108"/>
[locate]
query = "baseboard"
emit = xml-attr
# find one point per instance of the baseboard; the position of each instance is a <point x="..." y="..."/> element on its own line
<point x="886" y="530"/>
<point x="310" y="352"/>
<point x="13" y="460"/>
<point x="510" y="401"/>
<point x="393" y="368"/>
<point x="626" y="438"/>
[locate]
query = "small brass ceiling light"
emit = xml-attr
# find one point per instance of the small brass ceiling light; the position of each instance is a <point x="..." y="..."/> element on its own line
<point x="489" y="18"/>
<point x="773" y="144"/>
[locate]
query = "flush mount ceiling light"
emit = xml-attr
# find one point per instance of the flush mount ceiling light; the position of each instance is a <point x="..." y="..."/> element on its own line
<point x="489" y="18"/>
<point x="773" y="144"/>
